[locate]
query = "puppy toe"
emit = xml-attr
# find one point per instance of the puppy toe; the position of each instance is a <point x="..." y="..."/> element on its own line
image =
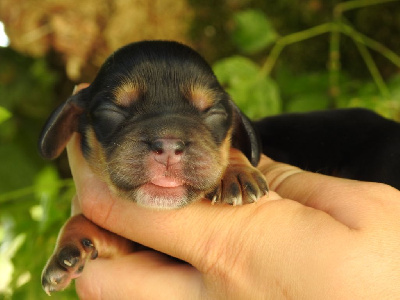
<point x="232" y="192"/>
<point x="261" y="183"/>
<point x="69" y="257"/>
<point x="250" y="191"/>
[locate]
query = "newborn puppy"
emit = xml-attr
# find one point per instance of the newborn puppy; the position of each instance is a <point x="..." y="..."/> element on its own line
<point x="159" y="129"/>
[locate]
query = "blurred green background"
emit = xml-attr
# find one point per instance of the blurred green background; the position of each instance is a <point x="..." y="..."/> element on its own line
<point x="272" y="56"/>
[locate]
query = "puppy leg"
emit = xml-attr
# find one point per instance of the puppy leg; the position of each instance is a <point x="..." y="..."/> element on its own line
<point x="242" y="183"/>
<point x="79" y="241"/>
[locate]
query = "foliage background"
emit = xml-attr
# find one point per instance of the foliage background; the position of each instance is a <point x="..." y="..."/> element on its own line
<point x="273" y="57"/>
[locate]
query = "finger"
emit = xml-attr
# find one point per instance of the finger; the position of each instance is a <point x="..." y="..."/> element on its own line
<point x="348" y="201"/>
<point x="88" y="186"/>
<point x="75" y="206"/>
<point x="141" y="275"/>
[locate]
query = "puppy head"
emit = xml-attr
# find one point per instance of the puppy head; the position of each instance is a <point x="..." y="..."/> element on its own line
<point x="155" y="124"/>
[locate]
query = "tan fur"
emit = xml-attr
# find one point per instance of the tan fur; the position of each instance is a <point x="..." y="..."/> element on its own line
<point x="97" y="159"/>
<point x="201" y="97"/>
<point x="127" y="93"/>
<point x="225" y="147"/>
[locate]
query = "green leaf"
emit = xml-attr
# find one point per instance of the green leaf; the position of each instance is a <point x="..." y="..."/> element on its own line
<point x="253" y="31"/>
<point x="16" y="170"/>
<point x="46" y="182"/>
<point x="257" y="96"/>
<point x="4" y="114"/>
<point x="366" y="94"/>
<point x="234" y="70"/>
<point x="47" y="187"/>
<point x="308" y="102"/>
<point x="263" y="95"/>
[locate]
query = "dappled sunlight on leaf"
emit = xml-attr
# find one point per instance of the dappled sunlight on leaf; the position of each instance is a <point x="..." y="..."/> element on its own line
<point x="255" y="94"/>
<point x="253" y="31"/>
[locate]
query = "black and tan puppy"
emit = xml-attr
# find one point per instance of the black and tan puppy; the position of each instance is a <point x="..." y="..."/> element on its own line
<point x="159" y="129"/>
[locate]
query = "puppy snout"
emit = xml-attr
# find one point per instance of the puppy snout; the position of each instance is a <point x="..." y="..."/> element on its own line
<point x="167" y="151"/>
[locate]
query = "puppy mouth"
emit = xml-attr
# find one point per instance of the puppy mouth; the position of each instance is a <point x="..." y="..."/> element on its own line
<point x="162" y="192"/>
<point x="167" y="182"/>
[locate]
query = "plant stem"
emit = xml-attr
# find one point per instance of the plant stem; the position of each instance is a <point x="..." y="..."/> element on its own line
<point x="336" y="27"/>
<point x="9" y="196"/>
<point x="349" y="5"/>
<point x="291" y="39"/>
<point x="373" y="69"/>
<point x="334" y="62"/>
<point x="370" y="43"/>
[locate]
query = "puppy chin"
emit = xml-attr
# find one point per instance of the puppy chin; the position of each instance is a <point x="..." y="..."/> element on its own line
<point x="162" y="198"/>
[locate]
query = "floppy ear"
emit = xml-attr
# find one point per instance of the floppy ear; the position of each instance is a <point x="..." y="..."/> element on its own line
<point x="59" y="127"/>
<point x="245" y="137"/>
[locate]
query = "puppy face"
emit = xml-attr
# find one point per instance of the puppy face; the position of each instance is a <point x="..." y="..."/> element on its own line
<point x="158" y="133"/>
<point x="156" y="125"/>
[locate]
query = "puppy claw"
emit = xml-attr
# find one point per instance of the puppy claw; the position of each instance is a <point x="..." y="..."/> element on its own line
<point x="215" y="195"/>
<point x="253" y="198"/>
<point x="67" y="263"/>
<point x="237" y="201"/>
<point x="47" y="291"/>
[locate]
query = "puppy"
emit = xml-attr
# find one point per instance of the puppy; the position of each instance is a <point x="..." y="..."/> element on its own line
<point x="159" y="129"/>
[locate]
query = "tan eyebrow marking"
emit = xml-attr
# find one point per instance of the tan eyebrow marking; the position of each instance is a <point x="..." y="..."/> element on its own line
<point x="126" y="94"/>
<point x="201" y="97"/>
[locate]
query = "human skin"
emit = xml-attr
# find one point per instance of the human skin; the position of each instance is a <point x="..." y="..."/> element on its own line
<point x="314" y="237"/>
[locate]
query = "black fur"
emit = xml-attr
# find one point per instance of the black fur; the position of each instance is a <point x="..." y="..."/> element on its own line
<point x="350" y="143"/>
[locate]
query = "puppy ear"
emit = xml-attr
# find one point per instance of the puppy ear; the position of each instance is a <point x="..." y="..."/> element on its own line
<point x="59" y="127"/>
<point x="245" y="137"/>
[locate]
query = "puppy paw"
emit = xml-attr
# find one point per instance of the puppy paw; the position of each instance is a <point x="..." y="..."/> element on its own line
<point x="242" y="183"/>
<point x="80" y="241"/>
<point x="66" y="264"/>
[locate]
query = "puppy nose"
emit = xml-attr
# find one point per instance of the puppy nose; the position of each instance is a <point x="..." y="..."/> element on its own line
<point x="167" y="151"/>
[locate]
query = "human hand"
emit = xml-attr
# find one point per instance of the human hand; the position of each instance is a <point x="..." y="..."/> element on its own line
<point x="315" y="237"/>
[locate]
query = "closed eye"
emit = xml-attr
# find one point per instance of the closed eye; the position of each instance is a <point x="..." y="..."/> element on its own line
<point x="106" y="108"/>
<point x="107" y="118"/>
<point x="218" y="109"/>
